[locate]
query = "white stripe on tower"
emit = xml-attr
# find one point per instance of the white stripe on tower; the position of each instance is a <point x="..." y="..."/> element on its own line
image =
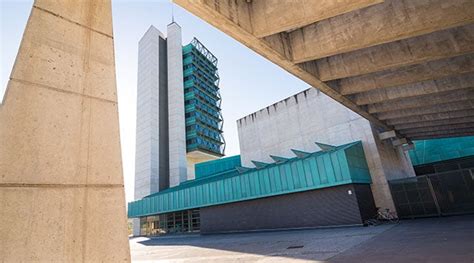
<point x="177" y="126"/>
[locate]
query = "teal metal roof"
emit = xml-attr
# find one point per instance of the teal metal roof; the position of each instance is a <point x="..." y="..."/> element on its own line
<point x="341" y="165"/>
<point x="435" y="150"/>
<point x="205" y="169"/>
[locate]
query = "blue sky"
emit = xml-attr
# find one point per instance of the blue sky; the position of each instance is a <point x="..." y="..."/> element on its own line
<point x="248" y="81"/>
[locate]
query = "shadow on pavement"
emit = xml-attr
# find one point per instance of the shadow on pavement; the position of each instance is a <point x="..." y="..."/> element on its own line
<point x="446" y="239"/>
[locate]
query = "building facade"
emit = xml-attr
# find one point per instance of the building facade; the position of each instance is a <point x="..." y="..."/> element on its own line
<point x="299" y="120"/>
<point x="179" y="121"/>
<point x="202" y="100"/>
<point x="322" y="188"/>
<point x="281" y="171"/>
<point x="305" y="161"/>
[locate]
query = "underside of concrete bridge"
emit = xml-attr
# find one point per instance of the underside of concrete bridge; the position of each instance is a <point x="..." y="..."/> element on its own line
<point x="405" y="65"/>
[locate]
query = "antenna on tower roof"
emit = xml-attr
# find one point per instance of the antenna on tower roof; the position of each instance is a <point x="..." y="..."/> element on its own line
<point x="172" y="11"/>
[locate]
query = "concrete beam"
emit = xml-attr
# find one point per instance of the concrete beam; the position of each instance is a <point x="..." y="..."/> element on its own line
<point x="459" y="132"/>
<point x="274" y="16"/>
<point x="222" y="19"/>
<point x="438" y="128"/>
<point x="438" y="45"/>
<point x="61" y="182"/>
<point x="462" y="104"/>
<point x="413" y="90"/>
<point x="387" y="135"/>
<point x="379" y="24"/>
<point x="399" y="142"/>
<point x="425" y="100"/>
<point x="432" y="117"/>
<point x="455" y="40"/>
<point x="406" y="75"/>
<point x="440" y="136"/>
<point x="445" y="122"/>
<point x="236" y="12"/>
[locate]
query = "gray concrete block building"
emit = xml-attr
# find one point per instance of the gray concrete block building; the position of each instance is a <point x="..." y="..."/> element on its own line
<point x="309" y="116"/>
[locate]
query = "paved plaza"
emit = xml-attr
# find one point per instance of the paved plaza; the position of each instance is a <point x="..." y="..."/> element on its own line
<point x="448" y="239"/>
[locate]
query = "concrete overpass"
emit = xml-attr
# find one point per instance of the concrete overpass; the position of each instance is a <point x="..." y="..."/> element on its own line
<point x="404" y="65"/>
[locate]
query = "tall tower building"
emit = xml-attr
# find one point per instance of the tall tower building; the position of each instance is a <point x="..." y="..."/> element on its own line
<point x="152" y="120"/>
<point x="179" y="121"/>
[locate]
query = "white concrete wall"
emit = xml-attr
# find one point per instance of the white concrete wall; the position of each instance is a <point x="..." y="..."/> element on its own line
<point x="147" y="147"/>
<point x="177" y="132"/>
<point x="300" y="120"/>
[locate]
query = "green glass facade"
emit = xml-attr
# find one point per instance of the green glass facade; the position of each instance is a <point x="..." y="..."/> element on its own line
<point x="435" y="150"/>
<point x="345" y="164"/>
<point x="202" y="100"/>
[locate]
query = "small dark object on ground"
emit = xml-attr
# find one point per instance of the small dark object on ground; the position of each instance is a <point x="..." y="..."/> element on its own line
<point x="293" y="247"/>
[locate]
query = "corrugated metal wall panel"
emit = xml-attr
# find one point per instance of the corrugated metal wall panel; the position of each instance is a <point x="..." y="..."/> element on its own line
<point x="345" y="165"/>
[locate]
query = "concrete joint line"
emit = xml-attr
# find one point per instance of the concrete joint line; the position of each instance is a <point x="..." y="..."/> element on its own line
<point x="72" y="21"/>
<point x="59" y="90"/>
<point x="11" y="185"/>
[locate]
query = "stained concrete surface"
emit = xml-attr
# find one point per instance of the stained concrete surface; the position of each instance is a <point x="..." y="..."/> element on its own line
<point x="62" y="196"/>
<point x="311" y="116"/>
<point x="449" y="239"/>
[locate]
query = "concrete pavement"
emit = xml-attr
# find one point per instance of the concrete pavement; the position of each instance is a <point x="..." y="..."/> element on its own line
<point x="449" y="239"/>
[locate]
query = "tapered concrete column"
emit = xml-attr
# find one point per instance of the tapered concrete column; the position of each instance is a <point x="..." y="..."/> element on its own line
<point x="61" y="184"/>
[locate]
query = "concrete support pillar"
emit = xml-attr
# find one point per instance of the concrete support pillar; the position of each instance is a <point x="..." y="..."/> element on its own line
<point x="61" y="184"/>
<point x="387" y="135"/>
<point x="177" y="127"/>
<point x="389" y="163"/>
